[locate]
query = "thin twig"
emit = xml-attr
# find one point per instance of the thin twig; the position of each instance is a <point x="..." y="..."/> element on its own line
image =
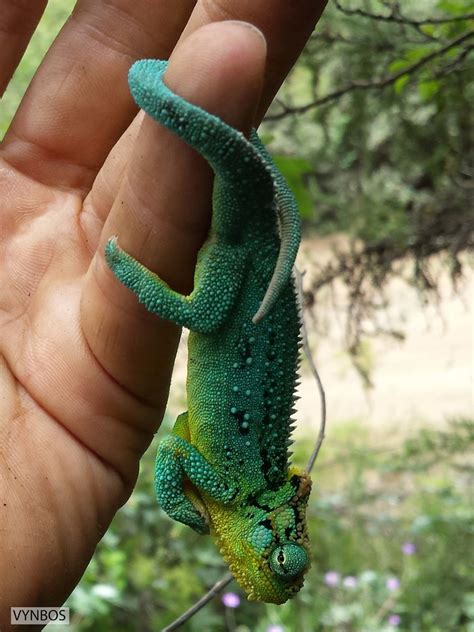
<point x="453" y="65"/>
<point x="369" y="85"/>
<point x="218" y="586"/>
<point x="307" y="351"/>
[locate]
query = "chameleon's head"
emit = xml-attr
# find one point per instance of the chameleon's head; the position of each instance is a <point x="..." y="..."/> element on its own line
<point x="265" y="541"/>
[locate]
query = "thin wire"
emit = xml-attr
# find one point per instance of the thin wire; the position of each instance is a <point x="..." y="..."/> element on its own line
<point x="226" y="579"/>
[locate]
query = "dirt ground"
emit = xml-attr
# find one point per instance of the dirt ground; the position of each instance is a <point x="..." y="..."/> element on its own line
<point x="426" y="379"/>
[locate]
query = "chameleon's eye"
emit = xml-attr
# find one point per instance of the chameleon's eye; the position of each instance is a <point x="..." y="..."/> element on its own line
<point x="288" y="560"/>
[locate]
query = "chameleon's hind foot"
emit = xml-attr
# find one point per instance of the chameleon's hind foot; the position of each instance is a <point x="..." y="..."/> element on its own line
<point x="178" y="464"/>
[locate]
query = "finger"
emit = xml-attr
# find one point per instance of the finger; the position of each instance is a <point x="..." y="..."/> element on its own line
<point x="18" y="21"/>
<point x="78" y="104"/>
<point x="161" y="214"/>
<point x="286" y="26"/>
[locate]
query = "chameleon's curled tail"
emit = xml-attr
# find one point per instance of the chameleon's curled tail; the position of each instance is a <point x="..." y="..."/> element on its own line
<point x="290" y="233"/>
<point x="244" y="167"/>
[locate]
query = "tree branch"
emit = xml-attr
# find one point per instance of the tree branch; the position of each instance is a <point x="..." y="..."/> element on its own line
<point x="369" y="85"/>
<point x="402" y="19"/>
<point x="453" y="65"/>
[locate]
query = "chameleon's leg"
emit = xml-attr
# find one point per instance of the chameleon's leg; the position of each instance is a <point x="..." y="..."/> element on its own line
<point x="177" y="460"/>
<point x="218" y="279"/>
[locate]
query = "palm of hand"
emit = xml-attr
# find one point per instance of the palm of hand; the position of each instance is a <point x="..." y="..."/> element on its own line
<point x="57" y="426"/>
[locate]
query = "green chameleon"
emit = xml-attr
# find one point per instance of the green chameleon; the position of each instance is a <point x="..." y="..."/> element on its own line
<point x="224" y="469"/>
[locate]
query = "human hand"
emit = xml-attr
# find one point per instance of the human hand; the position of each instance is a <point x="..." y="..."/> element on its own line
<point x="84" y="369"/>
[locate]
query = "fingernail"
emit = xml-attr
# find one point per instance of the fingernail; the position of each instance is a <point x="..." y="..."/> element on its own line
<point x="247" y="25"/>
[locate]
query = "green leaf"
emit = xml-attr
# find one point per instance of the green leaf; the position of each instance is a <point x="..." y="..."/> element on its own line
<point x="400" y="83"/>
<point x="455" y="7"/>
<point x="429" y="29"/>
<point x="427" y="89"/>
<point x="294" y="169"/>
<point x="410" y="57"/>
<point x="398" y="64"/>
<point x="417" y="53"/>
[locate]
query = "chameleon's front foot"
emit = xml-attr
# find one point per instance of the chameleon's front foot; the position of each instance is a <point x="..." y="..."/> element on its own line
<point x="218" y="277"/>
<point x="147" y="286"/>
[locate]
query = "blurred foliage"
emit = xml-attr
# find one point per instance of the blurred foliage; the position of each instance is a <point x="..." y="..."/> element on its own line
<point x="369" y="505"/>
<point x="390" y="158"/>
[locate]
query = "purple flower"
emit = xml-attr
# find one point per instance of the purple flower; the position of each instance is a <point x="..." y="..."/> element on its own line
<point x="349" y="581"/>
<point x="275" y="628"/>
<point x="231" y="600"/>
<point x="394" y="620"/>
<point x="408" y="548"/>
<point x="332" y="578"/>
<point x="393" y="583"/>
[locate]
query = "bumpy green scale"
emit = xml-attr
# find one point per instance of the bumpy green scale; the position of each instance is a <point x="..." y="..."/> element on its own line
<point x="225" y="468"/>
